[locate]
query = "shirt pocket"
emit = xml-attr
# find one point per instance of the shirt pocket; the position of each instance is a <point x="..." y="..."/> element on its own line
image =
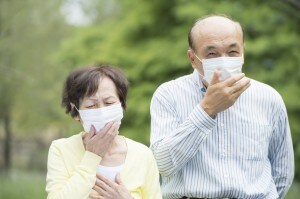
<point x="253" y="141"/>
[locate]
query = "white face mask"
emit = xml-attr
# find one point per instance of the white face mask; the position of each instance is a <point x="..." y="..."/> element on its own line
<point x="99" y="117"/>
<point x="227" y="66"/>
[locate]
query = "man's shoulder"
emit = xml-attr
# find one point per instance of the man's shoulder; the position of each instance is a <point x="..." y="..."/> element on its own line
<point x="265" y="92"/>
<point x="263" y="87"/>
<point x="174" y="83"/>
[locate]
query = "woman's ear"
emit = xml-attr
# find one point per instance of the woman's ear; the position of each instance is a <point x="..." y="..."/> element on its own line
<point x="77" y="117"/>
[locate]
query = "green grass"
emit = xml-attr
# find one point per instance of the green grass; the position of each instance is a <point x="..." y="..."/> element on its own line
<point x="25" y="185"/>
<point x="31" y="185"/>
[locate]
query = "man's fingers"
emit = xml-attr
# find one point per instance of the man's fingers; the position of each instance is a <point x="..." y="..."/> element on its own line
<point x="235" y="78"/>
<point x="240" y="85"/>
<point x="215" y="78"/>
<point x="238" y="93"/>
<point x="244" y="88"/>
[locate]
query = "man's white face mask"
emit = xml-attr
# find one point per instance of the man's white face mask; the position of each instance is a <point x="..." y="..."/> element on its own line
<point x="227" y="66"/>
<point x="99" y="117"/>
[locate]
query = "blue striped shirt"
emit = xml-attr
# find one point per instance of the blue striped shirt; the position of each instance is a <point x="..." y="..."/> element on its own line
<point x="244" y="152"/>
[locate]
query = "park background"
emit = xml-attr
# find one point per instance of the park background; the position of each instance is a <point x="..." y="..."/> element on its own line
<point x="42" y="41"/>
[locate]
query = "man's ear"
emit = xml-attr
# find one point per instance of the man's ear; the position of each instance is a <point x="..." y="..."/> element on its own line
<point x="191" y="56"/>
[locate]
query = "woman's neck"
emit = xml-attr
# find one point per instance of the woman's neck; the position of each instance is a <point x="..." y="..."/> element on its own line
<point x="116" y="154"/>
<point x="115" y="145"/>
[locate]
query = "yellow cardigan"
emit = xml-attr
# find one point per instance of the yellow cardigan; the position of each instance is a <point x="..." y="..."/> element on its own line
<point x="72" y="170"/>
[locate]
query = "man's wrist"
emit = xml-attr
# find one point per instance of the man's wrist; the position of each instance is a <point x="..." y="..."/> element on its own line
<point x="207" y="109"/>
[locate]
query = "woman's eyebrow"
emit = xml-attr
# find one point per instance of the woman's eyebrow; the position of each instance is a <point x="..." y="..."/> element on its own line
<point x="109" y="97"/>
<point x="92" y="98"/>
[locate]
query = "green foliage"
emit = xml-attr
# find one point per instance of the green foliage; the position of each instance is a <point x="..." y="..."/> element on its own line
<point x="26" y="73"/>
<point x="150" y="41"/>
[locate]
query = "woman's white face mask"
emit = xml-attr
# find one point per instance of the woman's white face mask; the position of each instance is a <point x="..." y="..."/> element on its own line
<point x="99" y="117"/>
<point x="227" y="66"/>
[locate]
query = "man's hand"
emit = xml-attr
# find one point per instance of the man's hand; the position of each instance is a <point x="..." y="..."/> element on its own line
<point x="221" y="95"/>
<point x="99" y="143"/>
<point x="110" y="190"/>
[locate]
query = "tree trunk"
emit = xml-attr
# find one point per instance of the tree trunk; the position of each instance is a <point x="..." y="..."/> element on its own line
<point x="7" y="139"/>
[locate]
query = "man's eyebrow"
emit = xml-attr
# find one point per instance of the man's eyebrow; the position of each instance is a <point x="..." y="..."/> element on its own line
<point x="208" y="48"/>
<point x="233" y="45"/>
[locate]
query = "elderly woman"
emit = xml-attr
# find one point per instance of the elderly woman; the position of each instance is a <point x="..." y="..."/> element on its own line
<point x="99" y="163"/>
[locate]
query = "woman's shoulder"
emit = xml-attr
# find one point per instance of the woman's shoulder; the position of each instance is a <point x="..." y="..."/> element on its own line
<point x="70" y="142"/>
<point x="138" y="147"/>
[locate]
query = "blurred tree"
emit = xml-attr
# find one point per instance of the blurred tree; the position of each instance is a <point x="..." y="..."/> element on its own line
<point x="29" y="31"/>
<point x="148" y="39"/>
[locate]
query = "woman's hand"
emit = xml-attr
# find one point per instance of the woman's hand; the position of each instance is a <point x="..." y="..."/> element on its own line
<point x="99" y="143"/>
<point x="110" y="190"/>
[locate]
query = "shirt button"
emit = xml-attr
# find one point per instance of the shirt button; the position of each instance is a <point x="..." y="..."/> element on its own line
<point x="222" y="124"/>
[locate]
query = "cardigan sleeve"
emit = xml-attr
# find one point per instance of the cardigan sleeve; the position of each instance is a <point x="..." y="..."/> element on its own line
<point x="152" y="187"/>
<point x="60" y="184"/>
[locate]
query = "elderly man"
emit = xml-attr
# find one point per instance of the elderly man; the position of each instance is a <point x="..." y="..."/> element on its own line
<point x="215" y="133"/>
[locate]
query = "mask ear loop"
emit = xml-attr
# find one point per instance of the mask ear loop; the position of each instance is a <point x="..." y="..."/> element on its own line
<point x="198" y="57"/>
<point x="201" y="76"/>
<point x="73" y="106"/>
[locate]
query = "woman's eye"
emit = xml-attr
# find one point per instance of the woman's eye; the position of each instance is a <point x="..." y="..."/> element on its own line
<point x="91" y="106"/>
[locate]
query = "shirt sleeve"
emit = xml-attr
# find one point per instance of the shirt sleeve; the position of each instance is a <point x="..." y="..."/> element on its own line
<point x="62" y="185"/>
<point x="152" y="186"/>
<point x="281" y="153"/>
<point x="173" y="142"/>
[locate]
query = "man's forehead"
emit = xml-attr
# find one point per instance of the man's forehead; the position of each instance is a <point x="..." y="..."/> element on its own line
<point x="215" y="26"/>
<point x="209" y="47"/>
<point x="215" y="21"/>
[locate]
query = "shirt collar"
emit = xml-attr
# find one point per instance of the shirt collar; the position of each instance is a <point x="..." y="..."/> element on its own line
<point x="198" y="82"/>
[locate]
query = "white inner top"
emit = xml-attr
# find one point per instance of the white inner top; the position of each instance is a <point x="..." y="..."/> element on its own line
<point x="109" y="172"/>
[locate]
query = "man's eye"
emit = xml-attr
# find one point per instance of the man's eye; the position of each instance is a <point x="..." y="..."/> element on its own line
<point x="212" y="55"/>
<point x="233" y="52"/>
<point x="91" y="106"/>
